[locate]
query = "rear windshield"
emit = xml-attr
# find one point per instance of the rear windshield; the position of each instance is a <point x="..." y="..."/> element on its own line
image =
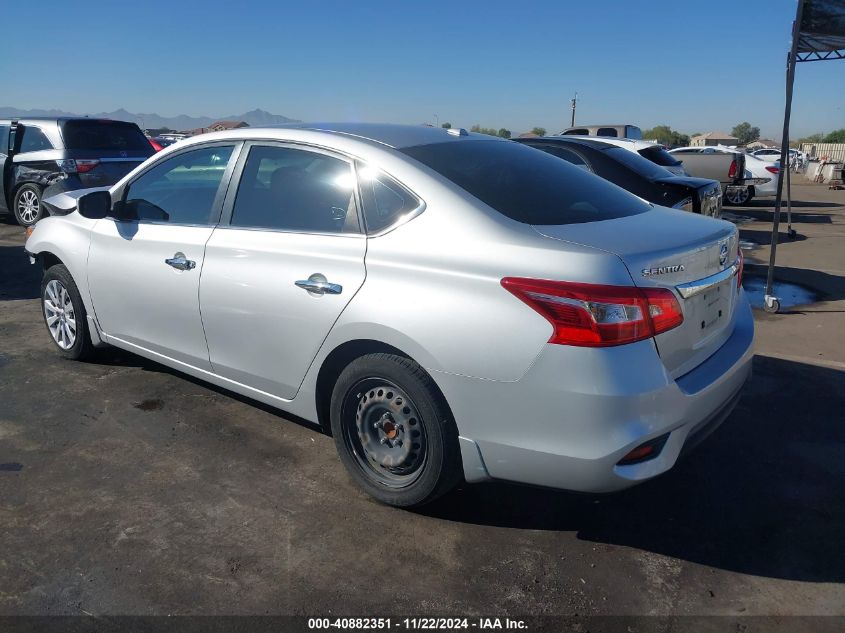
<point x="659" y="156"/>
<point x="105" y="135"/>
<point x="527" y="184"/>
<point x="638" y="163"/>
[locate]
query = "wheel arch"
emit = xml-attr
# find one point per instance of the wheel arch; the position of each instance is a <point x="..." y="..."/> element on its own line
<point x="338" y="359"/>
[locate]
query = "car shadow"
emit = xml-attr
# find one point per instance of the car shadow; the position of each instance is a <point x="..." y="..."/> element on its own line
<point x="761" y="496"/>
<point x="764" y="238"/>
<point x="768" y="215"/>
<point x="18" y="278"/>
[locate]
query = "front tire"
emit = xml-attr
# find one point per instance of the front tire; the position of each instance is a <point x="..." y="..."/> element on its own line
<point x="64" y="314"/>
<point x="394" y="432"/>
<point x="27" y="205"/>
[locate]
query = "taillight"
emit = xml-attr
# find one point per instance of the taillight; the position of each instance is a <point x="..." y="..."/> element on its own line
<point x="591" y="315"/>
<point x="741" y="259"/>
<point x="732" y="169"/>
<point x="85" y="165"/>
<point x="772" y="169"/>
<point x="155" y="145"/>
<point x="78" y="166"/>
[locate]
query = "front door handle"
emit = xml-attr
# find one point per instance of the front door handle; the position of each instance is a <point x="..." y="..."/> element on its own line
<point x="180" y="262"/>
<point x="318" y="284"/>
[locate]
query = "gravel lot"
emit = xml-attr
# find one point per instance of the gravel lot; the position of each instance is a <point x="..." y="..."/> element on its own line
<point x="128" y="489"/>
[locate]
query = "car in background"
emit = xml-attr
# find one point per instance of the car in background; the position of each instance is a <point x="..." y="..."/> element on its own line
<point x="743" y="176"/>
<point x="634" y="173"/>
<point x="654" y="152"/>
<point x="612" y="131"/>
<point x="81" y="152"/>
<point x="165" y="141"/>
<point x="773" y="154"/>
<point x="452" y="306"/>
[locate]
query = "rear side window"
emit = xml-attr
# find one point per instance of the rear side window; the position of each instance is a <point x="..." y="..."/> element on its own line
<point x="181" y="189"/>
<point x="104" y="135"/>
<point x="607" y="131"/>
<point x="33" y="139"/>
<point x="385" y="200"/>
<point x="579" y="132"/>
<point x="289" y="189"/>
<point x="659" y="156"/>
<point x="632" y="131"/>
<point x="526" y="185"/>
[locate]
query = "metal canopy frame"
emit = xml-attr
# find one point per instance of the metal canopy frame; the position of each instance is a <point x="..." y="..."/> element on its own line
<point x="818" y="34"/>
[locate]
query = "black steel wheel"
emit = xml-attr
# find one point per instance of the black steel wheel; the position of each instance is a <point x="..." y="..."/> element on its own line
<point x="393" y="431"/>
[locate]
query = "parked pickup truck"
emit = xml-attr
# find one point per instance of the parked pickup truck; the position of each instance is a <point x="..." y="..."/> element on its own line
<point x="725" y="166"/>
<point x="82" y="152"/>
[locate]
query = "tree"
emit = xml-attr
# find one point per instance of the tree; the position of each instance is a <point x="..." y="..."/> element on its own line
<point x="539" y="131"/>
<point x="665" y="135"/>
<point x="745" y="134"/>
<point x="446" y="126"/>
<point x="837" y="136"/>
<point x="484" y="130"/>
<point x="504" y="133"/>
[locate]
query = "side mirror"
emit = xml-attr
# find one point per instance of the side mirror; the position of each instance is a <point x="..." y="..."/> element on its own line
<point x="95" y="205"/>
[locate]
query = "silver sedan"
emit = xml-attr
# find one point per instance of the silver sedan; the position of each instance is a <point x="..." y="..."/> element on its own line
<point x="449" y="306"/>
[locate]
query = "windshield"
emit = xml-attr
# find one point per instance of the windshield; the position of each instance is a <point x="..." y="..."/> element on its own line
<point x="526" y="184"/>
<point x="104" y="135"/>
<point x="637" y="163"/>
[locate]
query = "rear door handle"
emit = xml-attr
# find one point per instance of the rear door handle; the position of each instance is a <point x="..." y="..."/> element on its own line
<point x="317" y="283"/>
<point x="180" y="262"/>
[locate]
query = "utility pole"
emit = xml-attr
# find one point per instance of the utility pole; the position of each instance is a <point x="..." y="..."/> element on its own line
<point x="574" y="104"/>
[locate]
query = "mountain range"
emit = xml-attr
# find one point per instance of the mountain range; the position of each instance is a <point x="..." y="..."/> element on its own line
<point x="153" y="121"/>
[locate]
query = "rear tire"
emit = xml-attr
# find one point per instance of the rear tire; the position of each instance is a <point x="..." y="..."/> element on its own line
<point x="740" y="198"/>
<point x="394" y="432"/>
<point x="27" y="205"/>
<point x="64" y="314"/>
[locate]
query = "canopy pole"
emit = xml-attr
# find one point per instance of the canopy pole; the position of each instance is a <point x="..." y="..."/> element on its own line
<point x="771" y="303"/>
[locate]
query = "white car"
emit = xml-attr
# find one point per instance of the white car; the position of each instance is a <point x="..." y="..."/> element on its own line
<point x="773" y="154"/>
<point x="654" y="152"/>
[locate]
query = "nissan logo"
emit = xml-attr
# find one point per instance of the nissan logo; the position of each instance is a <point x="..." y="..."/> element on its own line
<point x="723" y="254"/>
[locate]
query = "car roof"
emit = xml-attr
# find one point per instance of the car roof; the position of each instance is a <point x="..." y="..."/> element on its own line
<point x="394" y="136"/>
<point x="628" y="143"/>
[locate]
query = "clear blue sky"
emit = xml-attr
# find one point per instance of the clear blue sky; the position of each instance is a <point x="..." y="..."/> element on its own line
<point x="696" y="65"/>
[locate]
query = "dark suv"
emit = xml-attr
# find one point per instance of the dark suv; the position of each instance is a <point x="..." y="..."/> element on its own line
<point x="80" y="152"/>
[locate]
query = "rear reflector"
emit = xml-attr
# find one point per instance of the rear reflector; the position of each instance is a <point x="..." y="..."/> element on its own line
<point x="739" y="271"/>
<point x="591" y="315"/>
<point x="644" y="452"/>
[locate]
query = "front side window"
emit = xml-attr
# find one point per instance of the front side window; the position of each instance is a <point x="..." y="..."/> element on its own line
<point x="578" y="132"/>
<point x="385" y="200"/>
<point x="526" y="185"/>
<point x="289" y="189"/>
<point x="181" y="189"/>
<point x="33" y="139"/>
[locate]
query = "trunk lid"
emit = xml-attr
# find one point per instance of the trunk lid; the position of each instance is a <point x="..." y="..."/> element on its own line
<point x="666" y="248"/>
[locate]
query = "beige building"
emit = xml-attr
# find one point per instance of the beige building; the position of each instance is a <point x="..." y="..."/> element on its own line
<point x="713" y="138"/>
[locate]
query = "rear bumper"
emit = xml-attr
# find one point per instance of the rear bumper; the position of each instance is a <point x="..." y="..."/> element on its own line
<point x="574" y="415"/>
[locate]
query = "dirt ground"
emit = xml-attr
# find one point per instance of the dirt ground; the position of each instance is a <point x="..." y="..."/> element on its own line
<point x="126" y="488"/>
